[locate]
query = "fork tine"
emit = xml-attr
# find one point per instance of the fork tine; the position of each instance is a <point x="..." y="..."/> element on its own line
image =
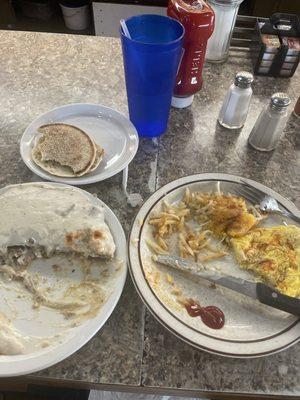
<point x="251" y="193"/>
<point x="240" y="191"/>
<point x="254" y="189"/>
<point x="237" y="192"/>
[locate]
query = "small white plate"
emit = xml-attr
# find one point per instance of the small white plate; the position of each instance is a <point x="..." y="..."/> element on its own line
<point x="251" y="329"/>
<point x="110" y="129"/>
<point x="46" y="322"/>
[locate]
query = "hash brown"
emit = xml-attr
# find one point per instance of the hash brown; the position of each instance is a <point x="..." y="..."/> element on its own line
<point x="226" y="214"/>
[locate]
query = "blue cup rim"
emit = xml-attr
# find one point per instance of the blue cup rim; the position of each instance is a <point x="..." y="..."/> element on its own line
<point x="154" y="44"/>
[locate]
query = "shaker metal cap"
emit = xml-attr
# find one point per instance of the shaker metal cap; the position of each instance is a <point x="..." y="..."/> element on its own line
<point x="243" y="79"/>
<point x="280" y="100"/>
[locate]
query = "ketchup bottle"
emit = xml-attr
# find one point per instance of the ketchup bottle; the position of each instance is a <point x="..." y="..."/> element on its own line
<point x="198" y="19"/>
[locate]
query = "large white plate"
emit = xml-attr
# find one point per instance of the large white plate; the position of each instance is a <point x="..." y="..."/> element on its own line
<point x="251" y="329"/>
<point x="110" y="129"/>
<point x="46" y="323"/>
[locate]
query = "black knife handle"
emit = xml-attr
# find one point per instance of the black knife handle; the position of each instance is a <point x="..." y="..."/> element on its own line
<point x="271" y="297"/>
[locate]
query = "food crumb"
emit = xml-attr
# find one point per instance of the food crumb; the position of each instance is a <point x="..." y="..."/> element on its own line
<point x="45" y="344"/>
<point x="149" y="277"/>
<point x="176" y="290"/>
<point x="181" y="300"/>
<point x="120" y="264"/>
<point x="135" y="241"/>
<point x="73" y="270"/>
<point x="56" y="268"/>
<point x="212" y="286"/>
<point x="156" y="277"/>
<point x="105" y="273"/>
<point x="170" y="279"/>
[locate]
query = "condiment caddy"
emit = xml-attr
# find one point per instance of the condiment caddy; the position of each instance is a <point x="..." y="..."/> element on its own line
<point x="275" y="48"/>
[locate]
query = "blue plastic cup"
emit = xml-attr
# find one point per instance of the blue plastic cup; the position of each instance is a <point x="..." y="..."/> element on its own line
<point x="151" y="59"/>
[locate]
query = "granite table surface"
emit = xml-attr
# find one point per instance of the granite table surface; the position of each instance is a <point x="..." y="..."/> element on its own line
<point x="41" y="71"/>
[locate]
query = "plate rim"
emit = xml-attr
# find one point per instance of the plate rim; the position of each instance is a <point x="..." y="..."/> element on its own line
<point x="7" y="367"/>
<point x="80" y="180"/>
<point x="147" y="205"/>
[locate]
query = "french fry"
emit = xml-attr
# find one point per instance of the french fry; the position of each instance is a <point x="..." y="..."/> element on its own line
<point x="155" y="247"/>
<point x="155" y="221"/>
<point x="170" y="215"/>
<point x="210" y="257"/>
<point x="185" y="245"/>
<point x="162" y="243"/>
<point x="187" y="195"/>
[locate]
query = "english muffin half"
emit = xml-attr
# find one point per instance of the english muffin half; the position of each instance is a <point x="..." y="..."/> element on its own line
<point x="98" y="159"/>
<point x="64" y="150"/>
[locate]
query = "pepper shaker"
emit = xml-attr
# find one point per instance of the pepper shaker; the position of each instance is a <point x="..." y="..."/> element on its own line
<point x="269" y="126"/>
<point x="236" y="103"/>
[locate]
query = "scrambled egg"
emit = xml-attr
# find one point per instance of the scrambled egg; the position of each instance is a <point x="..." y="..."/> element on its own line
<point x="273" y="254"/>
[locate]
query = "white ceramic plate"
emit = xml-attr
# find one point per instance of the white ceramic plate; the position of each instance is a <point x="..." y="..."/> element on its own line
<point x="46" y="322"/>
<point x="110" y="129"/>
<point x="251" y="329"/>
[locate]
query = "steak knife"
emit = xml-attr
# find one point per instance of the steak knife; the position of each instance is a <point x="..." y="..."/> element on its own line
<point x="257" y="290"/>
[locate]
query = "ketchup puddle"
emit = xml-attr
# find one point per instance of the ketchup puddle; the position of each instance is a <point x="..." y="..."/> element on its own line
<point x="211" y="316"/>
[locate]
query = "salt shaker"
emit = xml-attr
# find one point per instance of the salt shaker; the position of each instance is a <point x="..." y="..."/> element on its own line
<point x="269" y="126"/>
<point x="236" y="103"/>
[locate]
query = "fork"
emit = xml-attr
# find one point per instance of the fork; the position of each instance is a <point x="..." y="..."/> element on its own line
<point x="265" y="202"/>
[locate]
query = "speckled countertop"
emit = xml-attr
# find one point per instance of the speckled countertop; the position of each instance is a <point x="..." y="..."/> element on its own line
<point x="41" y="71"/>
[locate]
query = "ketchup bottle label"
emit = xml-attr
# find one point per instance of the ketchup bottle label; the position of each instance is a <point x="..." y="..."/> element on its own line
<point x="198" y="20"/>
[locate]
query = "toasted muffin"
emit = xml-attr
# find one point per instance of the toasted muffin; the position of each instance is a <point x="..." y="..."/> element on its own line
<point x="98" y="159"/>
<point x="64" y="150"/>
